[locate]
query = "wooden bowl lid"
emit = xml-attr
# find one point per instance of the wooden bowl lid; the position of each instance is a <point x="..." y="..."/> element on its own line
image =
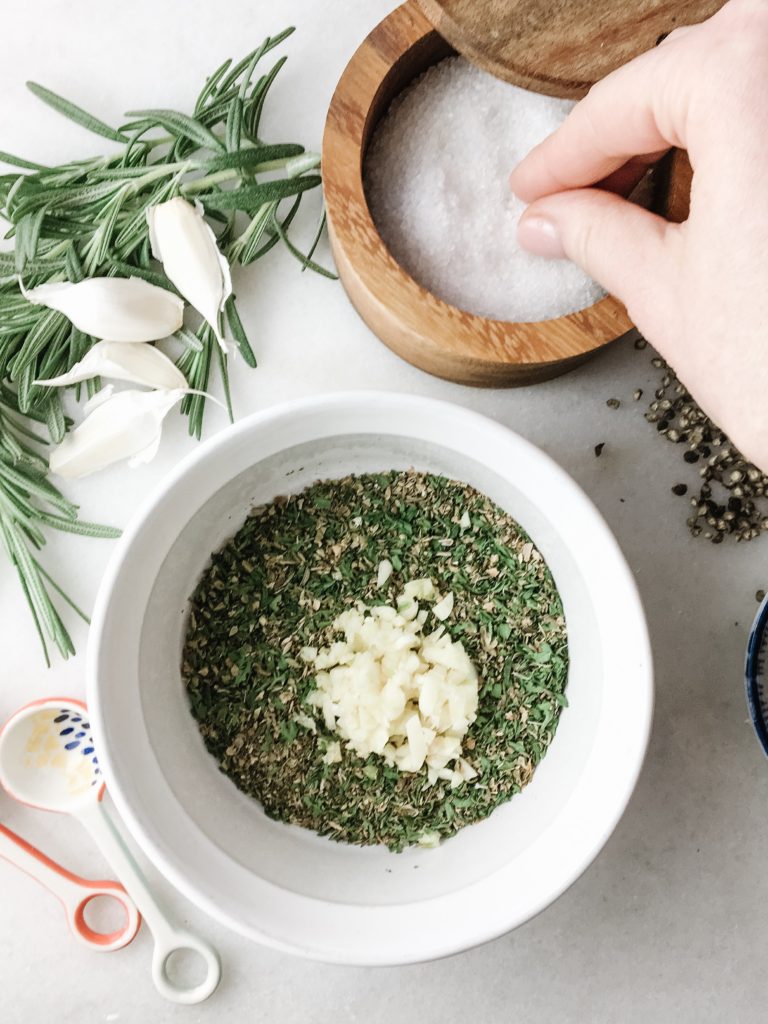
<point x="559" y="47"/>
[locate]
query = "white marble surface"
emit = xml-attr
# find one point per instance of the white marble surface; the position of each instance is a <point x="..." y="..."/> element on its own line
<point x="668" y="924"/>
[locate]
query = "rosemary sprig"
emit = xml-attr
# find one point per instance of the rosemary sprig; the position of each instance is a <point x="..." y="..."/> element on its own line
<point x="87" y="218"/>
<point x="29" y="502"/>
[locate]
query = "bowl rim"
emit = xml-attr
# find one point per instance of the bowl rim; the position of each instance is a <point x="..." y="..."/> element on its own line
<point x="416" y="324"/>
<point x="584" y="826"/>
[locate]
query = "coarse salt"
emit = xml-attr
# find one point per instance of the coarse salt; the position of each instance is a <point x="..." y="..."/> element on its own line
<point x="437" y="183"/>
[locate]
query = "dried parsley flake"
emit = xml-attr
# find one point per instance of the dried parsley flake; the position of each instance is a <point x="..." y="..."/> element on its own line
<point x="277" y="586"/>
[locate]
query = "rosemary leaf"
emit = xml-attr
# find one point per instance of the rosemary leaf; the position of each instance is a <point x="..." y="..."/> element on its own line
<point x="181" y="125"/>
<point x="316" y="240"/>
<point x="222" y="361"/>
<point x="253" y="159"/>
<point x="75" y="113"/>
<point x="234" y="129"/>
<point x="79" y="527"/>
<point x="255" y="107"/>
<point x="211" y="84"/>
<point x="305" y="260"/>
<point x="252" y="196"/>
<point x="41" y="335"/>
<point x="28" y="237"/>
<point x="252" y="253"/>
<point x="62" y="594"/>
<point x="196" y="367"/>
<point x="266" y="46"/>
<point x="189" y="339"/>
<point x="17" y="161"/>
<point x="238" y="332"/>
<point x="54" y="417"/>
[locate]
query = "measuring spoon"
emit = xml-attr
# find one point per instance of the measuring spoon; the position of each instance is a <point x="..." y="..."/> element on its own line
<point x="47" y="760"/>
<point x="74" y="892"/>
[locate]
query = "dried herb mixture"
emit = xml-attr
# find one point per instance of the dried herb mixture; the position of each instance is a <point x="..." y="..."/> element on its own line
<point x="281" y="581"/>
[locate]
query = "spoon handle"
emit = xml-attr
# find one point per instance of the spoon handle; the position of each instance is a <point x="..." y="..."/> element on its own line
<point x="168" y="937"/>
<point x="74" y="893"/>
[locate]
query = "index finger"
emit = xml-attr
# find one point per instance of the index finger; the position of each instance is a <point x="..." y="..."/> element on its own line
<point x="638" y="111"/>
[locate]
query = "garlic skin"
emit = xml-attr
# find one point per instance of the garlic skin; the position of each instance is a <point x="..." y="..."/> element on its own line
<point x="186" y="246"/>
<point x="128" y="425"/>
<point x="121" y="309"/>
<point x="99" y="398"/>
<point x="137" y="364"/>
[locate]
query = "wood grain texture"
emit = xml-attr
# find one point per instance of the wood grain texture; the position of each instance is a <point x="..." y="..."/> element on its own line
<point x="559" y="47"/>
<point x="421" y="328"/>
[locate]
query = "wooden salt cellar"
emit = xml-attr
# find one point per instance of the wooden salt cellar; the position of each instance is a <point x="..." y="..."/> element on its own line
<point x="543" y="45"/>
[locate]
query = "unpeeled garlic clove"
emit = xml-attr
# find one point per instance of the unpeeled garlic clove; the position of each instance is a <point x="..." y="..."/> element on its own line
<point x="117" y="308"/>
<point x="138" y="364"/>
<point x="128" y="425"/>
<point x="99" y="398"/>
<point x="186" y="246"/>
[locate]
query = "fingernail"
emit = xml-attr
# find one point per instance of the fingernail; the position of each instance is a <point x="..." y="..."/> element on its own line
<point x="540" y="236"/>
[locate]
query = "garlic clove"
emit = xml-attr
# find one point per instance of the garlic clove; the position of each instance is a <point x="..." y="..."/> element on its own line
<point x="444" y="607"/>
<point x="137" y="364"/>
<point x="384" y="571"/>
<point x="123" y="309"/>
<point x="429" y="840"/>
<point x="185" y="244"/>
<point x="99" y="398"/>
<point x="126" y="425"/>
<point x="146" y="454"/>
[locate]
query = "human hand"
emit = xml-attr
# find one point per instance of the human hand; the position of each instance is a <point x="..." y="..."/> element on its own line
<point x="699" y="290"/>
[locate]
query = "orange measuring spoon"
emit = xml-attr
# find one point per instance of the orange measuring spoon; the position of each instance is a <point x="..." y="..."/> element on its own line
<point x="74" y="893"/>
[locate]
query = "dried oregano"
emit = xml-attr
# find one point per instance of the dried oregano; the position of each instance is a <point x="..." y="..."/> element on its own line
<point x="281" y="581"/>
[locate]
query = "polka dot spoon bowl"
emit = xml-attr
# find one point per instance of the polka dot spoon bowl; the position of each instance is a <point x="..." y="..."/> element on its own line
<point x="48" y="760"/>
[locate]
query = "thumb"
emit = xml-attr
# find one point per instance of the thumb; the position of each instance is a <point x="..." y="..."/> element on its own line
<point x="630" y="251"/>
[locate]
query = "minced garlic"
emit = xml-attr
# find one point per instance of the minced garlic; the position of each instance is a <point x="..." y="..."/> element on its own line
<point x="390" y="689"/>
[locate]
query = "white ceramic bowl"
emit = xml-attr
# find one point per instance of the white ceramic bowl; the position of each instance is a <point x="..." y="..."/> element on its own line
<point x="286" y="886"/>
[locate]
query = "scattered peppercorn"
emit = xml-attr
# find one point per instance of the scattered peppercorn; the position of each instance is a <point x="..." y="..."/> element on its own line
<point x="613" y="403"/>
<point x="759" y="596"/>
<point x="599" y="449"/>
<point x="732" y="498"/>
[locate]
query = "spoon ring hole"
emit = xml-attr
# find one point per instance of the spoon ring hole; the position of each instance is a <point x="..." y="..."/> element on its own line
<point x="101" y="918"/>
<point x="185" y="968"/>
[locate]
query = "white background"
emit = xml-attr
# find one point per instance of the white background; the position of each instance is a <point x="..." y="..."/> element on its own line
<point x="668" y="925"/>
